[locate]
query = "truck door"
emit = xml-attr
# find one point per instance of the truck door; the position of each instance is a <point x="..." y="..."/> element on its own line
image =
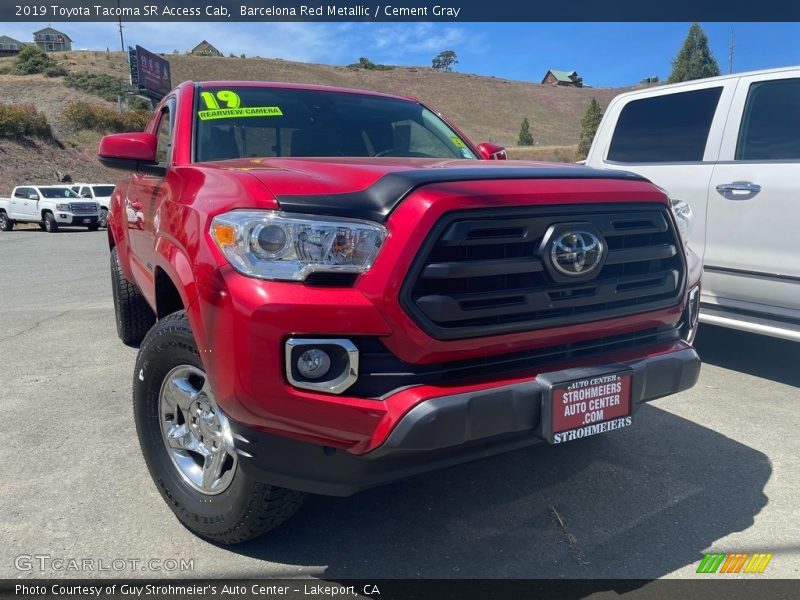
<point x="16" y="207"/>
<point x="28" y="202"/>
<point x="672" y="138"/>
<point x="753" y="229"/>
<point x="144" y="195"/>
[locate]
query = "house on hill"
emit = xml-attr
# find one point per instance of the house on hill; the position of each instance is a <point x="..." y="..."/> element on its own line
<point x="205" y="49"/>
<point x="52" y="40"/>
<point x="564" y="78"/>
<point x="10" y="46"/>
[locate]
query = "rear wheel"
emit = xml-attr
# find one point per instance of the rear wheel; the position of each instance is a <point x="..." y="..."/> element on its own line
<point x="50" y="223"/>
<point x="133" y="315"/>
<point x="6" y="224"/>
<point x="188" y="445"/>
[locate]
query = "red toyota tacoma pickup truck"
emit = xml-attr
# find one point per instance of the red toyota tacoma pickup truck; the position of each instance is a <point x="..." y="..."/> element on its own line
<point x="333" y="289"/>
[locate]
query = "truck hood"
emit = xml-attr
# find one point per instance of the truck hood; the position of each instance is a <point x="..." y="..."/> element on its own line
<point x="372" y="187"/>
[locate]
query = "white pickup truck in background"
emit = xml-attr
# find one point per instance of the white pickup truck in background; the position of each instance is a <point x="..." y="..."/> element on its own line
<point x="99" y="192"/>
<point x="730" y="147"/>
<point x="51" y="206"/>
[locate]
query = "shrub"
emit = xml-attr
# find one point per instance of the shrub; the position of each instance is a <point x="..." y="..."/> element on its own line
<point x="368" y="65"/>
<point x="97" y="84"/>
<point x="83" y="115"/>
<point x="55" y="71"/>
<point x="30" y="60"/>
<point x="139" y="103"/>
<point x="23" y="120"/>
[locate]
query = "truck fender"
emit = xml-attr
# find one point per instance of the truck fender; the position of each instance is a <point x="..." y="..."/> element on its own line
<point x="173" y="261"/>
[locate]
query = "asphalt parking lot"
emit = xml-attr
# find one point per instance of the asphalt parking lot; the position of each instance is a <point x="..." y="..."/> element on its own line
<point x="716" y="468"/>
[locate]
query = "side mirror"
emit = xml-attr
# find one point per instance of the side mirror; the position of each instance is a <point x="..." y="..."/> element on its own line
<point x="33" y="196"/>
<point x="130" y="152"/>
<point x="490" y="151"/>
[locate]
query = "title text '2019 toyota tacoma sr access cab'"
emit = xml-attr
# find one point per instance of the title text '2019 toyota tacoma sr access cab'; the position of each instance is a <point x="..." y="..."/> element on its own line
<point x="334" y="289"/>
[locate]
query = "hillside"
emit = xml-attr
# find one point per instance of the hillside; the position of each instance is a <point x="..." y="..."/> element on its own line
<point x="487" y="108"/>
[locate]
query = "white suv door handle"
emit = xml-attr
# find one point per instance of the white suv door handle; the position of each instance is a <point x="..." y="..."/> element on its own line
<point x="739" y="186"/>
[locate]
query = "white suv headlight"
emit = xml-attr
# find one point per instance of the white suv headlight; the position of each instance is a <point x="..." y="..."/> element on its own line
<point x="683" y="218"/>
<point x="273" y="245"/>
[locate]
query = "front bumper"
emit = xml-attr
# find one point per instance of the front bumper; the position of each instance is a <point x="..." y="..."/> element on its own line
<point x="77" y="220"/>
<point x="442" y="431"/>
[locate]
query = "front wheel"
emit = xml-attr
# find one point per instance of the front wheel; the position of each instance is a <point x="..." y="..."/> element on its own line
<point x="188" y="445"/>
<point x="50" y="223"/>
<point x="103" y="217"/>
<point x="6" y="224"/>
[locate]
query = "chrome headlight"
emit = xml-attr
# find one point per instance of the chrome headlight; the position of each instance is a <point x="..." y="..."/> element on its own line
<point x="273" y="245"/>
<point x="64" y="207"/>
<point x="683" y="218"/>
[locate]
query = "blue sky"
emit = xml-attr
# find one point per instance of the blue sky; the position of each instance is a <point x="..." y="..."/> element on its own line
<point x="605" y="54"/>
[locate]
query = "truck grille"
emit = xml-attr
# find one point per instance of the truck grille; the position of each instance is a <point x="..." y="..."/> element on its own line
<point x="487" y="273"/>
<point x="82" y="208"/>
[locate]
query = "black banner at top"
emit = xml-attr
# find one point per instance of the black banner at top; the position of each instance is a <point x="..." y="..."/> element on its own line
<point x="398" y="10"/>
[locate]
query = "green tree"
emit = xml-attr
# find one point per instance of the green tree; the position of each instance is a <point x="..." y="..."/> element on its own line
<point x="525" y="135"/>
<point x="589" y="122"/>
<point x="445" y="60"/>
<point x="694" y="60"/>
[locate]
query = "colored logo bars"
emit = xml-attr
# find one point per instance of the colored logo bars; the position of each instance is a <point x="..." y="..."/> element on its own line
<point x="738" y="562"/>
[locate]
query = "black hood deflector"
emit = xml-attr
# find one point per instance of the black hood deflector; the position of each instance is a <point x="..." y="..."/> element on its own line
<point x="376" y="202"/>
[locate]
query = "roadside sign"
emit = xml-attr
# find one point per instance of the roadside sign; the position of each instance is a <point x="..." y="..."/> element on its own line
<point x="150" y="74"/>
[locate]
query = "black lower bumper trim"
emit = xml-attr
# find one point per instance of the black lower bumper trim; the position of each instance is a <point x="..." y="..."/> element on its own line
<point x="78" y="221"/>
<point x="443" y="431"/>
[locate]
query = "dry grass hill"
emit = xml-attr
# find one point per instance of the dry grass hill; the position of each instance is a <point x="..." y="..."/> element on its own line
<point x="487" y="108"/>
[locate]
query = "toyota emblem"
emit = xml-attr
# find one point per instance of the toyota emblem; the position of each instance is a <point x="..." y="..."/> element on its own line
<point x="577" y="253"/>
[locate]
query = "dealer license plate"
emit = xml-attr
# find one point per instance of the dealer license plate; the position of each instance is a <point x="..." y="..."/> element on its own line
<point x="87" y="220"/>
<point x="579" y="408"/>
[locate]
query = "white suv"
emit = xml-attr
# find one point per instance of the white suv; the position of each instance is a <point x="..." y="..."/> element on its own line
<point x="730" y="147"/>
<point x="99" y="192"/>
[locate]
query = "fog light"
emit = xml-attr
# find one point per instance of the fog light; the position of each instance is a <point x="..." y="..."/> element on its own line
<point x="314" y="363"/>
<point x="323" y="365"/>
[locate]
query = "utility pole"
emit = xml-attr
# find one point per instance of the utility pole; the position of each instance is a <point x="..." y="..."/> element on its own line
<point x="122" y="47"/>
<point x="730" y="54"/>
<point x="119" y="18"/>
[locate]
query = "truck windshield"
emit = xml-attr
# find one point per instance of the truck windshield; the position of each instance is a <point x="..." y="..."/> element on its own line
<point x="253" y="122"/>
<point x="58" y="193"/>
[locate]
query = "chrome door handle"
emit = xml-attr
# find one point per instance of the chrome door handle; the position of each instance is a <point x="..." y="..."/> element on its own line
<point x="739" y="186"/>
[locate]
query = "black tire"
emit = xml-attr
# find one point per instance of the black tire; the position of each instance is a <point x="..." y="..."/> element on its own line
<point x="6" y="224"/>
<point x="247" y="508"/>
<point x="41" y="225"/>
<point x="93" y="227"/>
<point x="50" y="223"/>
<point x="133" y="315"/>
<point x="103" y="218"/>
